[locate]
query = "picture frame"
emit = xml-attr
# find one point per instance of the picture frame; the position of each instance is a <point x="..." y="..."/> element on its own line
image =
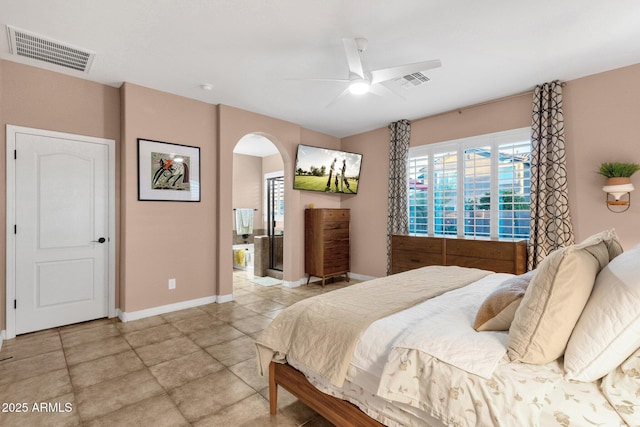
<point x="168" y="172"/>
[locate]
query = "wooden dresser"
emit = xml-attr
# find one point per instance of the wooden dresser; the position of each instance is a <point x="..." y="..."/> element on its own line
<point x="326" y="243"/>
<point x="409" y="252"/>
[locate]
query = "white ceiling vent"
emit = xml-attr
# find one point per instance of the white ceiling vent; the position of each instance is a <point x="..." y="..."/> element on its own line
<point x="413" y="80"/>
<point x="30" y="45"/>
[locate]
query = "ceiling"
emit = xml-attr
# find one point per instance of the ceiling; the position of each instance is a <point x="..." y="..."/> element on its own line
<point x="255" y="145"/>
<point x="252" y="51"/>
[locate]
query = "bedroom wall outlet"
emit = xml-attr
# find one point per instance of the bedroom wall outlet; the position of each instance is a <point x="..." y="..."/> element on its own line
<point x="172" y="283"/>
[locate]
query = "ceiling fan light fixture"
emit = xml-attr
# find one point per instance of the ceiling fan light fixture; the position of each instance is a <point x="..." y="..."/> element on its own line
<point x="359" y="87"/>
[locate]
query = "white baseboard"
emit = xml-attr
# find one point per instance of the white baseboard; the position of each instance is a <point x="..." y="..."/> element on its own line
<point x="221" y="299"/>
<point x="3" y="336"/>
<point x="163" y="309"/>
<point x="293" y="284"/>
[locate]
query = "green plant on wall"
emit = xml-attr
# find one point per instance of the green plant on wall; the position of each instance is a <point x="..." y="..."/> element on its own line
<point x="618" y="169"/>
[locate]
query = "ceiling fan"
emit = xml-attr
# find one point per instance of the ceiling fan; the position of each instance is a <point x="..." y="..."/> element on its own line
<point x="361" y="80"/>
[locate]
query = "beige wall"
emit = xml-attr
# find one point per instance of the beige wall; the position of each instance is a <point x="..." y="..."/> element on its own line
<point x="234" y="124"/>
<point x="248" y="183"/>
<point x="511" y="113"/>
<point x="601" y="120"/>
<point x="37" y="98"/>
<point x="247" y="186"/>
<point x="369" y="206"/>
<point x="194" y="231"/>
<point x="601" y="124"/>
<point x="163" y="240"/>
<point x="272" y="163"/>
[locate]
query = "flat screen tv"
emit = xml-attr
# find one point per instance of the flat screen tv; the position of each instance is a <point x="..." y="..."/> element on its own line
<point x="326" y="170"/>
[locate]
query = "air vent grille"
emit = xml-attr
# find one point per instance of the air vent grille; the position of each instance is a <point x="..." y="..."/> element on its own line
<point x="30" y="45"/>
<point x="413" y="80"/>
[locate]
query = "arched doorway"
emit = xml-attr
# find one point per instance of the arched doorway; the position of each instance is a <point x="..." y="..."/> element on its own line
<point x="258" y="192"/>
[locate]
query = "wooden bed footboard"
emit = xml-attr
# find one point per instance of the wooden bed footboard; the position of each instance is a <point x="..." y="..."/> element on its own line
<point x="338" y="411"/>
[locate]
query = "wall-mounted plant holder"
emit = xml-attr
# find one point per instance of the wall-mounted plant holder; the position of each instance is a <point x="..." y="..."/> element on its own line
<point x="618" y="194"/>
<point x="618" y="185"/>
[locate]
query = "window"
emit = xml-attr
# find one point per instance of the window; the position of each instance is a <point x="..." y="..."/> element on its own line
<point x="477" y="187"/>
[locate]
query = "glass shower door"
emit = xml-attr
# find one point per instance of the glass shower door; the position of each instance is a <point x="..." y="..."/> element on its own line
<point x="275" y="221"/>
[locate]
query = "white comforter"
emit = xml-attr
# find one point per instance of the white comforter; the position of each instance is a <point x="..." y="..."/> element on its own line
<point x="440" y="327"/>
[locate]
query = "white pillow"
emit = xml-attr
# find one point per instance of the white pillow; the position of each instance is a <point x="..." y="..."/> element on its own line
<point x="608" y="330"/>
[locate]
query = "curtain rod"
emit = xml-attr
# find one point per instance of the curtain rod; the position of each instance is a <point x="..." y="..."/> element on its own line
<point x="241" y="208"/>
<point x="492" y="101"/>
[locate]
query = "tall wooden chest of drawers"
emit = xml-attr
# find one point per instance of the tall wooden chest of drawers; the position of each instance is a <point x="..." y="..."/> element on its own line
<point x="326" y="243"/>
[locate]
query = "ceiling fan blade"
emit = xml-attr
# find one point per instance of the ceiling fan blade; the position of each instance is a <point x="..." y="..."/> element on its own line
<point x="334" y="100"/>
<point x="382" y="90"/>
<point x="353" y="57"/>
<point x="384" y="74"/>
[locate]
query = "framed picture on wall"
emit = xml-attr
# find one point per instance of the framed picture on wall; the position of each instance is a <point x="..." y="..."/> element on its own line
<point x="168" y="172"/>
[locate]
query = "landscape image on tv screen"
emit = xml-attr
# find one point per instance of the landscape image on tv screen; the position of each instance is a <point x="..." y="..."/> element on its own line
<point x="326" y="170"/>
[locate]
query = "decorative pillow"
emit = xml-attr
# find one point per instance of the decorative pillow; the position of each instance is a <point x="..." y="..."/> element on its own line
<point x="497" y="311"/>
<point x="554" y="300"/>
<point x="610" y="238"/>
<point x="608" y="330"/>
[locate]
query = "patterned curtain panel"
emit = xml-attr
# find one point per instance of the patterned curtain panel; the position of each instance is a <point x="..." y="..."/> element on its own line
<point x="550" y="220"/>
<point x="398" y="217"/>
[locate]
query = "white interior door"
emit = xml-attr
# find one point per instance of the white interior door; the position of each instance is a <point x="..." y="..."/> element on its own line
<point x="61" y="231"/>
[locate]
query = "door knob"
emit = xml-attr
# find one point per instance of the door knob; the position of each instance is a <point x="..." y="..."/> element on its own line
<point x="100" y="240"/>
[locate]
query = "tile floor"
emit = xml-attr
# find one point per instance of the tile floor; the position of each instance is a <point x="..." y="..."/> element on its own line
<point x="191" y="367"/>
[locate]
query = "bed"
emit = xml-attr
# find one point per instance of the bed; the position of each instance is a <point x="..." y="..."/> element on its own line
<point x="402" y="350"/>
